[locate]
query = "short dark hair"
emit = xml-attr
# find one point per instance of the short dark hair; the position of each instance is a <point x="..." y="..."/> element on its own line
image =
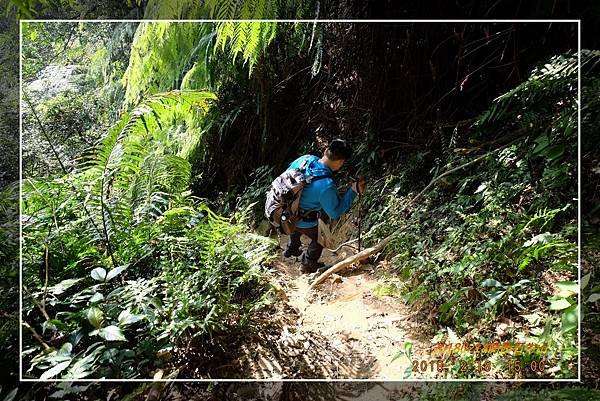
<point x="338" y="149"/>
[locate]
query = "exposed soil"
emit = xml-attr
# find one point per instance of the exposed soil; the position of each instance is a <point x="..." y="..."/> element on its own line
<point x="342" y="330"/>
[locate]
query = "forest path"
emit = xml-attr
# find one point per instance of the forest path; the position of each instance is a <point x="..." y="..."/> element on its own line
<point x="343" y="329"/>
<point x="345" y="311"/>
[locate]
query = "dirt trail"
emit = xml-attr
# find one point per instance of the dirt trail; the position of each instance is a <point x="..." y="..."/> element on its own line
<point x="345" y="310"/>
<point x="341" y="330"/>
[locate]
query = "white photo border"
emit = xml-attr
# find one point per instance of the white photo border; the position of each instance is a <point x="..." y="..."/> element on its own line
<point x="375" y="380"/>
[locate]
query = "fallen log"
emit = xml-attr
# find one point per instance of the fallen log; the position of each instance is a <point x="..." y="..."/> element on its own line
<point x="352" y="259"/>
<point x="374" y="249"/>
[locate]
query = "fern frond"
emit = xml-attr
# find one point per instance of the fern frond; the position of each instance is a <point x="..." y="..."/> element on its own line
<point x="159" y="179"/>
<point x="133" y="174"/>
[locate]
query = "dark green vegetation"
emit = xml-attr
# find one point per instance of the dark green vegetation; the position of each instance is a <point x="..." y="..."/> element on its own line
<point x="123" y="262"/>
<point x="493" y="247"/>
<point x="9" y="234"/>
<point x="436" y="240"/>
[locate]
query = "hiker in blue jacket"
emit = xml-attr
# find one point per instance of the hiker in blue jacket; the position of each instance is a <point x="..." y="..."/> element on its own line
<point x="320" y="196"/>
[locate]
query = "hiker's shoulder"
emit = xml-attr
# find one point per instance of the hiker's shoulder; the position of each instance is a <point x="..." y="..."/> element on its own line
<point x="309" y="158"/>
<point x="298" y="162"/>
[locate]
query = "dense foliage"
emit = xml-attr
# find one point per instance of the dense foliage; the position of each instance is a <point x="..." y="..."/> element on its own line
<point x="535" y="234"/>
<point x="505" y="237"/>
<point x="497" y="242"/>
<point x="127" y="212"/>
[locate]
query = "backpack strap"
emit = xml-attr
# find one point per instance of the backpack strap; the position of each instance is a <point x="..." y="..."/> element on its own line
<point x="311" y="178"/>
<point x="313" y="215"/>
<point x="314" y="178"/>
<point x="304" y="164"/>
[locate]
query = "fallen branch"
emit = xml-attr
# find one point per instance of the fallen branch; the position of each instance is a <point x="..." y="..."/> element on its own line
<point x="374" y="249"/>
<point x="347" y="243"/>
<point x="352" y="259"/>
<point x="35" y="335"/>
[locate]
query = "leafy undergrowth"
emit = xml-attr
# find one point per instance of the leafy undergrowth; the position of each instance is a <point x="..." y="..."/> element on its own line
<point x="590" y="297"/>
<point x="122" y="265"/>
<point x="579" y="394"/>
<point x="125" y="271"/>
<point x="492" y="248"/>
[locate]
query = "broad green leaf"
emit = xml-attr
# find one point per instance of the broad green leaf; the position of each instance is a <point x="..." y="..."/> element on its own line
<point x="585" y="280"/>
<point x="521" y="283"/>
<point x="490" y="282"/>
<point x="83" y="367"/>
<point x="554" y="152"/>
<point x="541" y="144"/>
<point x="55" y="370"/>
<point x="445" y="307"/>
<point x="115" y="272"/>
<point x="64" y="285"/>
<point x="494" y="297"/>
<point x="567" y="288"/>
<point x="559" y="304"/>
<point x="54" y="325"/>
<point x="95" y="316"/>
<point x="76" y="336"/>
<point x="569" y="320"/>
<point x="126" y="317"/>
<point x="98" y="274"/>
<point x="594" y="298"/>
<point x="65" y="350"/>
<point x="53" y="356"/>
<point x="111" y="333"/>
<point x="96" y="297"/>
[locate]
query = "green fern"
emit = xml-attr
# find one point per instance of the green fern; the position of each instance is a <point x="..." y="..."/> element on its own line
<point x="159" y="178"/>
<point x="173" y="9"/>
<point x="126" y="155"/>
<point x="247" y="39"/>
<point x="547" y="81"/>
<point x="161" y="54"/>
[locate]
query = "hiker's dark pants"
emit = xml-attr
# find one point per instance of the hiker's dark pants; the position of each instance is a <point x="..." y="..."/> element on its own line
<point x="314" y="250"/>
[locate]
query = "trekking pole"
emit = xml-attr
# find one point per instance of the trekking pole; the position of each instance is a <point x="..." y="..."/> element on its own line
<point x="359" y="219"/>
<point x="359" y="212"/>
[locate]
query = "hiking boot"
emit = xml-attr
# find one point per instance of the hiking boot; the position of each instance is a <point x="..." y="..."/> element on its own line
<point x="311" y="267"/>
<point x="290" y="252"/>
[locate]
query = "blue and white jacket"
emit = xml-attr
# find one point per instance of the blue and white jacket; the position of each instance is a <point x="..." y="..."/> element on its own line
<point x="321" y="194"/>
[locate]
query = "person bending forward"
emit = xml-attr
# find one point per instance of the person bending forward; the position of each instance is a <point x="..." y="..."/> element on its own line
<point x="317" y="197"/>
